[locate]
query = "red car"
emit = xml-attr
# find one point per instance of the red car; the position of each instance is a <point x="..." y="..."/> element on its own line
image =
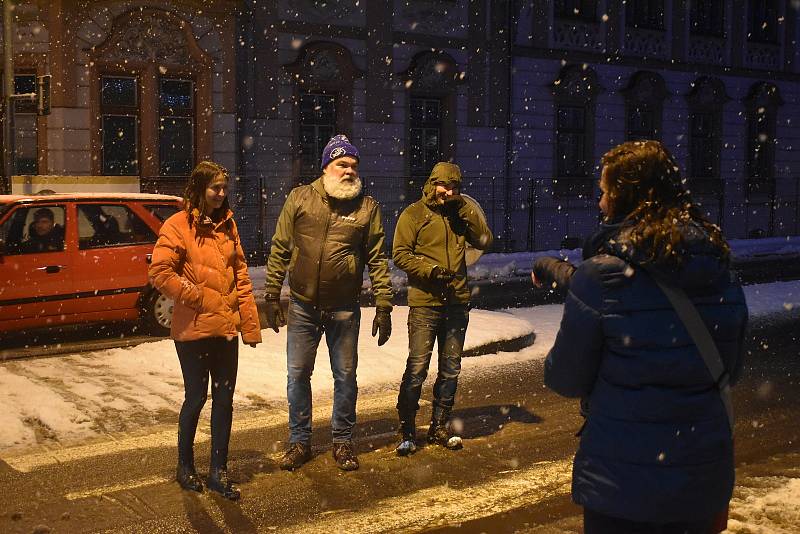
<point x="80" y="258"/>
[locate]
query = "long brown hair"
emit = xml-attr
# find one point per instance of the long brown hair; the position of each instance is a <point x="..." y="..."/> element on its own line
<point x="194" y="196"/>
<point x="644" y="185"/>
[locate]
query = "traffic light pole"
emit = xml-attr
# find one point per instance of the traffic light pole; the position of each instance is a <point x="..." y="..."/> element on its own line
<point x="8" y="90"/>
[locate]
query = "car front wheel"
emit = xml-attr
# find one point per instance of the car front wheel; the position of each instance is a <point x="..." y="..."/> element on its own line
<point x="157" y="313"/>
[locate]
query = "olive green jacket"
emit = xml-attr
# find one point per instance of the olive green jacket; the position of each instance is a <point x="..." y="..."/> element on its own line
<point x="324" y="244"/>
<point x="428" y="234"/>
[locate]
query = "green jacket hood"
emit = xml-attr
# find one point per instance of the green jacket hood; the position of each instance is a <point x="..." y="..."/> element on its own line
<point x="442" y="173"/>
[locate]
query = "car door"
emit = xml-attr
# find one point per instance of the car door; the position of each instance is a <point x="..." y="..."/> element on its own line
<point x="114" y="247"/>
<point x="36" y="267"/>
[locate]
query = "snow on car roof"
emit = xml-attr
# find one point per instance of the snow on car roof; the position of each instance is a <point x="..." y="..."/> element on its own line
<point x="87" y="196"/>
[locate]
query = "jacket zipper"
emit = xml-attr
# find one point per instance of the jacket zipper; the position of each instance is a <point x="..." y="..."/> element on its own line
<point x="322" y="248"/>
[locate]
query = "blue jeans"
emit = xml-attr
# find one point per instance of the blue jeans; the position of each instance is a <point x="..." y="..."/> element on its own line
<point x="306" y="323"/>
<point x="446" y="325"/>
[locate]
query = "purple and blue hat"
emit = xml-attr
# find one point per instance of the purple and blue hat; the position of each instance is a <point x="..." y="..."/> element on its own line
<point x="338" y="147"/>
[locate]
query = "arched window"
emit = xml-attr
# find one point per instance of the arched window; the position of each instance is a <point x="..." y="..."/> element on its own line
<point x="150" y="87"/>
<point x="430" y="83"/>
<point x="706" y="100"/>
<point x="644" y="98"/>
<point x="324" y="74"/>
<point x="575" y="91"/>
<point x="762" y="108"/>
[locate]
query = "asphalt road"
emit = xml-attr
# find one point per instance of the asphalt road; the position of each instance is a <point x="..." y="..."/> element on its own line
<point x="513" y="474"/>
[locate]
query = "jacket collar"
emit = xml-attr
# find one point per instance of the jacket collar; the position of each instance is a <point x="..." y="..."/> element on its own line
<point x="204" y="221"/>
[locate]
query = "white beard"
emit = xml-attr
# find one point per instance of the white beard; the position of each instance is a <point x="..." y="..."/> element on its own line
<point x="341" y="190"/>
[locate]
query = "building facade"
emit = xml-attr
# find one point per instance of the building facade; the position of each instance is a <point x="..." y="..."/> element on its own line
<point x="524" y="96"/>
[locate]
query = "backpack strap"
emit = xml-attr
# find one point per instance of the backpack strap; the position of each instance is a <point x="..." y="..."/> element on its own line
<point x="701" y="336"/>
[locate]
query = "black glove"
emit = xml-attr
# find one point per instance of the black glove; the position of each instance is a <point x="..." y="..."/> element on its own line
<point x="274" y="312"/>
<point x="442" y="275"/>
<point x="382" y="323"/>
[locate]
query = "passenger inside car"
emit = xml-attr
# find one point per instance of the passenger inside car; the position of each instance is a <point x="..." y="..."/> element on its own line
<point x="43" y="234"/>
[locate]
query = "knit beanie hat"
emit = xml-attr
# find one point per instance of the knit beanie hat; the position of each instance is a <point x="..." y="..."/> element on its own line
<point x="338" y="147"/>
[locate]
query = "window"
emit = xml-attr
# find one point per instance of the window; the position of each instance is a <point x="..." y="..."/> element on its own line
<point x="763" y="21"/>
<point x="703" y="152"/>
<point x="119" y="108"/>
<point x="644" y="97"/>
<point x="34" y="230"/>
<point x="110" y="225"/>
<point x="646" y="14"/>
<point x="706" y="101"/>
<point x="576" y="9"/>
<point x="575" y="91"/>
<point x="707" y="18"/>
<point x="25" y="131"/>
<point x="762" y="107"/>
<point x="571" y="142"/>
<point x="425" y="132"/>
<point x="317" y="126"/>
<point x="162" y="211"/>
<point x="176" y="127"/>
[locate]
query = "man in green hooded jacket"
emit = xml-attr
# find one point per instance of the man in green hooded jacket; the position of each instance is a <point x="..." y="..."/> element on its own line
<point x="429" y="245"/>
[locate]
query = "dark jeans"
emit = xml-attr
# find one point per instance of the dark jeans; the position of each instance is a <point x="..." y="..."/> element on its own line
<point x="306" y="323"/>
<point x="446" y="325"/>
<point x="218" y="358"/>
<point x="597" y="523"/>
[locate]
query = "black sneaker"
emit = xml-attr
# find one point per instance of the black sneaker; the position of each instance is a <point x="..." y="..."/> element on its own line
<point x="218" y="482"/>
<point x="296" y="455"/>
<point x="344" y="455"/>
<point x="439" y="434"/>
<point x="188" y="478"/>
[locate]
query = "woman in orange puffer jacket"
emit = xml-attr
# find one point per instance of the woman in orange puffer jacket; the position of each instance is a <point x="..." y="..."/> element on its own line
<point x="199" y="263"/>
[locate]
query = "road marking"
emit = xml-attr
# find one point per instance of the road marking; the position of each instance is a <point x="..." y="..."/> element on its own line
<point x="104" y="490"/>
<point x="445" y="505"/>
<point x="26" y="463"/>
<point x="29" y="462"/>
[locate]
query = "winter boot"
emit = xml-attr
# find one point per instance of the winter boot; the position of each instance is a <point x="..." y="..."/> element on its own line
<point x="296" y="455"/>
<point x="218" y="482"/>
<point x="408" y="435"/>
<point x="187" y="477"/>
<point x="440" y="433"/>
<point x="345" y="456"/>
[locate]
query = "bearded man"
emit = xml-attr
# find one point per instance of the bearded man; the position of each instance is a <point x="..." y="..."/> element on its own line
<point x="326" y="234"/>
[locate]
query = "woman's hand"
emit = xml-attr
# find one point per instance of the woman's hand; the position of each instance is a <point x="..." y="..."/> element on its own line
<point x="536" y="282"/>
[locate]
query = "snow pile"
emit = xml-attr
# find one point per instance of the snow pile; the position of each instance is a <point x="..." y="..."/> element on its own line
<point x="73" y="397"/>
<point x="767" y="507"/>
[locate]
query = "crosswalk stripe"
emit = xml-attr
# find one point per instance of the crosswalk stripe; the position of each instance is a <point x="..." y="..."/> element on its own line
<point x="104" y="490"/>
<point x="26" y="463"/>
<point x="445" y="505"/>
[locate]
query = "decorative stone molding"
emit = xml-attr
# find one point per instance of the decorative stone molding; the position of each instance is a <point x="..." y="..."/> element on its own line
<point x="148" y="38"/>
<point x="576" y="35"/>
<point x="763" y="56"/>
<point x="324" y="63"/>
<point x="707" y="93"/>
<point x="645" y="87"/>
<point x="646" y="43"/>
<point x="96" y="24"/>
<point x="576" y="83"/>
<point x="432" y="73"/>
<point x="709" y="50"/>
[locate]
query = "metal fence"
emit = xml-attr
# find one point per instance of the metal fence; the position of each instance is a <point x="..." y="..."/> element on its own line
<point x="535" y="215"/>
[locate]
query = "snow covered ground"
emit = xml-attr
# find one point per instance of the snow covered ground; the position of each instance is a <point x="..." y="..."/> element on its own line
<point x="69" y="398"/>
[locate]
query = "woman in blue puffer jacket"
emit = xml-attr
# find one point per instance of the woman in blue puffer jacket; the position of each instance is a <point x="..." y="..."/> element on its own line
<point x="656" y="453"/>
